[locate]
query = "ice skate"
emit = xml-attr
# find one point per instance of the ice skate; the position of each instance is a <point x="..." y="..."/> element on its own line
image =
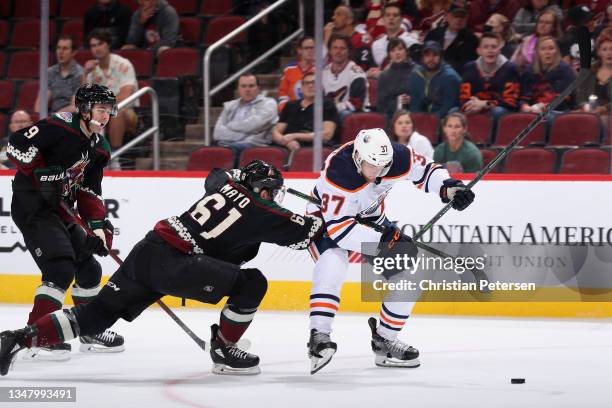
<point x="229" y="359"/>
<point x="106" y="342"/>
<point x="56" y="352"/>
<point x="320" y="350"/>
<point x="392" y="353"/>
<point x="11" y="343"/>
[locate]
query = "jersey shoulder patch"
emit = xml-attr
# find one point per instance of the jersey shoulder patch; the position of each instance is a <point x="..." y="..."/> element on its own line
<point x="341" y="171"/>
<point x="65" y="116"/>
<point x="402" y="160"/>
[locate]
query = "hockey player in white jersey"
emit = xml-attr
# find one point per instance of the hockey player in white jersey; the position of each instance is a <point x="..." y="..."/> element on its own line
<point x="353" y="185"/>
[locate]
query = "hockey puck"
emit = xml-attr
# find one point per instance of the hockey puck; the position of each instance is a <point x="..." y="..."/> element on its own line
<point x="517" y="381"/>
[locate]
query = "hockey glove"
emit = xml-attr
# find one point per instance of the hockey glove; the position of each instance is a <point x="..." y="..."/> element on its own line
<point x="102" y="241"/>
<point x="454" y="191"/>
<point x="50" y="184"/>
<point x="392" y="243"/>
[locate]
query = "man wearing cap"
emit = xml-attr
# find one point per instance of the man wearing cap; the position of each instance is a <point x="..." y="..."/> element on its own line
<point x="434" y="85"/>
<point x="458" y="42"/>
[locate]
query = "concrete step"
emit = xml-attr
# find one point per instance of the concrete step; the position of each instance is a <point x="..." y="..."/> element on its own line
<point x="166" y="163"/>
<point x="179" y="148"/>
<point x="215" y="112"/>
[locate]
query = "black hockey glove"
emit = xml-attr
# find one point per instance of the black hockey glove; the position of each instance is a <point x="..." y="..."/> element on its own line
<point x="392" y="243"/>
<point x="50" y="184"/>
<point x="454" y="191"/>
<point x="102" y="240"/>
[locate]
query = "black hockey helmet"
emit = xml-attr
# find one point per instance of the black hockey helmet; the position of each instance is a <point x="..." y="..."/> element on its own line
<point x="89" y="94"/>
<point x="259" y="175"/>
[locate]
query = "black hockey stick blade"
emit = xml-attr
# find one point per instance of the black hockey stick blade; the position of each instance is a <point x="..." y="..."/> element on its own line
<point x="584" y="45"/>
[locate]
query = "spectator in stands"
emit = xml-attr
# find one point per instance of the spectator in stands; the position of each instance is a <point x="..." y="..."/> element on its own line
<point x="432" y="13"/>
<point x="392" y="16"/>
<point x="155" y="26"/>
<point x="433" y="85"/>
<point x="290" y="87"/>
<point x="403" y="131"/>
<point x="118" y="74"/>
<point x="375" y="22"/>
<point x="393" y="84"/>
<point x="599" y="81"/>
<point x="546" y="78"/>
<point x="456" y="152"/>
<point x="548" y="24"/>
<point x="343" y="22"/>
<point x="112" y="16"/>
<point x="458" y="41"/>
<point x="64" y="78"/>
<point x="524" y="22"/>
<point x="246" y="121"/>
<point x="499" y="24"/>
<point x="344" y="81"/>
<point x="491" y="83"/>
<point x="568" y="43"/>
<point x="19" y="120"/>
<point x="295" y="127"/>
<point x="481" y="10"/>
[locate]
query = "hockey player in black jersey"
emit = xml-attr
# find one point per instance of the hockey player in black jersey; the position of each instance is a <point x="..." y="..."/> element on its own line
<point x="61" y="158"/>
<point x="196" y="255"/>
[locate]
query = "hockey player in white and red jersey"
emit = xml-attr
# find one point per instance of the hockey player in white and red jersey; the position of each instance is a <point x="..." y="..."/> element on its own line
<point x="344" y="81"/>
<point x="353" y="185"/>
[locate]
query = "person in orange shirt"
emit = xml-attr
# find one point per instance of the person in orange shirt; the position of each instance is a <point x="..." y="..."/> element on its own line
<point x="290" y="87"/>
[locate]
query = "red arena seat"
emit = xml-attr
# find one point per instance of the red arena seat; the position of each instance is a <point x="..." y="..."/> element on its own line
<point x="358" y="121"/>
<point x="207" y="158"/>
<point x="586" y="161"/>
<point x="530" y="160"/>
<point x="575" y="129"/>
<point x="272" y="155"/>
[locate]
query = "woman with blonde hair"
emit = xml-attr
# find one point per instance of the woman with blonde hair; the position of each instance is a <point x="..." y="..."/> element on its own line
<point x="403" y="131"/>
<point x="500" y="24"/>
<point x="546" y="78"/>
<point x="547" y="23"/>
<point x="456" y="152"/>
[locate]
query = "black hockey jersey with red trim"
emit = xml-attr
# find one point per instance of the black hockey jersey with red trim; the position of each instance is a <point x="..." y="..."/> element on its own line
<point x="500" y="89"/>
<point x="59" y="141"/>
<point x="230" y="222"/>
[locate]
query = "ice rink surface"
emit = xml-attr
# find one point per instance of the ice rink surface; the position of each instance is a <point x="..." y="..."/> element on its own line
<point x="465" y="362"/>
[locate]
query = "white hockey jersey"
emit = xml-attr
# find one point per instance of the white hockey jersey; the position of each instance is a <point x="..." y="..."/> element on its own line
<point x="348" y="88"/>
<point x="345" y="194"/>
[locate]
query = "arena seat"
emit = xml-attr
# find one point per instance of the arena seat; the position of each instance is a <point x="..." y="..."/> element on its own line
<point x="76" y="8"/>
<point x="185" y="7"/>
<point x="358" y="121"/>
<point x="207" y="158"/>
<point x="218" y="27"/>
<point x="575" y="129"/>
<point x="272" y="155"/>
<point x="586" y="161"/>
<point x="191" y="30"/>
<point x="428" y="125"/>
<point x="74" y="28"/>
<point x="2" y="64"/>
<point x="512" y="124"/>
<point x="530" y="160"/>
<point x="7" y="93"/>
<point x="4" y="32"/>
<point x="3" y="125"/>
<point x="177" y="62"/>
<point x="26" y="96"/>
<point x="24" y="65"/>
<point x="480" y="127"/>
<point x="26" y="34"/>
<point x="302" y="159"/>
<point x="487" y="156"/>
<point x="142" y="60"/>
<point x="31" y="8"/>
<point x="216" y="7"/>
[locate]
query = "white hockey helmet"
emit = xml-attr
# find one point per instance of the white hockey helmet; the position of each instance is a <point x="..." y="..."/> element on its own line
<point x="374" y="147"/>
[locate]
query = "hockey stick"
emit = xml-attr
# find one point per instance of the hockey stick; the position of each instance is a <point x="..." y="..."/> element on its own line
<point x="479" y="275"/>
<point x="584" y="45"/>
<point x="201" y="343"/>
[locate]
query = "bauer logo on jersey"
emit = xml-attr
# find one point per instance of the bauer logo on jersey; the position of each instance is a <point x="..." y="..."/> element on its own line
<point x="209" y="288"/>
<point x="65" y="116"/>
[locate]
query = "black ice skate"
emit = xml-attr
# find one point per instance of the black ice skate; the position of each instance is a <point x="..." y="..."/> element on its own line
<point x="392" y="353"/>
<point x="106" y="342"/>
<point x="56" y="352"/>
<point x="229" y="359"/>
<point x="11" y="343"/>
<point x="320" y="350"/>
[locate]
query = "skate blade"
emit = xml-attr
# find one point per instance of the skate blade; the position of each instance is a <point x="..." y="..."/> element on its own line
<point x="317" y="363"/>
<point x="37" y="354"/>
<point x="97" y="349"/>
<point x="383" y="361"/>
<point x="223" y="369"/>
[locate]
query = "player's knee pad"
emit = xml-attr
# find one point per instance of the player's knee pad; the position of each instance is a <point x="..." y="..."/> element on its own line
<point x="93" y="318"/>
<point x="249" y="289"/>
<point x="59" y="271"/>
<point x="88" y="273"/>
